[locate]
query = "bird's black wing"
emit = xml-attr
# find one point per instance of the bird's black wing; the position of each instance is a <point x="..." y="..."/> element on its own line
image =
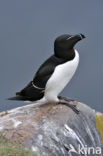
<point x="46" y="70"/>
<point x="30" y="92"/>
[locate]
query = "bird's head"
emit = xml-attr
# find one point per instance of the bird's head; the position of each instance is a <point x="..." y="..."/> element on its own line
<point x="64" y="44"/>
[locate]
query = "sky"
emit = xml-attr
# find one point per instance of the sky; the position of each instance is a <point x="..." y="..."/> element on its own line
<point x="28" y="29"/>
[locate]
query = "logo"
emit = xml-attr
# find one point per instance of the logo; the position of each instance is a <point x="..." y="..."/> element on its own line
<point x="72" y="149"/>
<point x="85" y="150"/>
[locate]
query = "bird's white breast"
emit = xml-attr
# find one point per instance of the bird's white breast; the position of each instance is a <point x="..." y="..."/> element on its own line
<point x="59" y="79"/>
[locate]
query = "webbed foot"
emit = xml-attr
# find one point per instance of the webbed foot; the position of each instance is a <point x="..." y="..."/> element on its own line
<point x="72" y="106"/>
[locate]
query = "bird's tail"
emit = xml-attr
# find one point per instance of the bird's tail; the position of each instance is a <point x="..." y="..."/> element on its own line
<point x="18" y="98"/>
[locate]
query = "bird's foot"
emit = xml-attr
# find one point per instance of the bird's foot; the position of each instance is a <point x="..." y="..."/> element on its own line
<point x="72" y="106"/>
<point x="66" y="99"/>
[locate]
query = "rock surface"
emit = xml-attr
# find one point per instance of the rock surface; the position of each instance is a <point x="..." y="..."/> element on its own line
<point x="55" y="129"/>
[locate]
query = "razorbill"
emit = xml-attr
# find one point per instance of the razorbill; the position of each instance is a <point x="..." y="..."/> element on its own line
<point x="54" y="74"/>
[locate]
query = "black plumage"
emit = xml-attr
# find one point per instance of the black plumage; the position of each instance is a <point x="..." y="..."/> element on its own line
<point x="40" y="79"/>
<point x="63" y="52"/>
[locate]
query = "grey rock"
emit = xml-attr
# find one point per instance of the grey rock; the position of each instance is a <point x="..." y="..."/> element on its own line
<point x="54" y="129"/>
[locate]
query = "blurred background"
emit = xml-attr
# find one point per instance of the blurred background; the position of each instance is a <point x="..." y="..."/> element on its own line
<point x="28" y="29"/>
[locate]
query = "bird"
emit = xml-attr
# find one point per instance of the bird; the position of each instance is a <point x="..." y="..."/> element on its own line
<point x="54" y="74"/>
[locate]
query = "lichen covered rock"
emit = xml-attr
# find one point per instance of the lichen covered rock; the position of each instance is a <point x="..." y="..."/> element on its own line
<point x="54" y="129"/>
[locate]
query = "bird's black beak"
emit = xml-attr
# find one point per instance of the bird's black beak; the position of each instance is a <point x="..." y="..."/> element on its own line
<point x="74" y="39"/>
<point x="78" y="37"/>
<point x="81" y="36"/>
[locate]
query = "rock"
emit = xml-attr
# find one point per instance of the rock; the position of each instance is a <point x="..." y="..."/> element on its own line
<point x="54" y="129"/>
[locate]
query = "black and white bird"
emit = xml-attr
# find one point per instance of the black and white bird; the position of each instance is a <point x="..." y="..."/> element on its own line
<point x="54" y="74"/>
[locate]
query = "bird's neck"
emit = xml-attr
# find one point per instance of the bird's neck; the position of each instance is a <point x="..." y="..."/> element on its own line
<point x="66" y="54"/>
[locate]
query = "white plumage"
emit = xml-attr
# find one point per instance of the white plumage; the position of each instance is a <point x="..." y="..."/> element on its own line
<point x="59" y="79"/>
